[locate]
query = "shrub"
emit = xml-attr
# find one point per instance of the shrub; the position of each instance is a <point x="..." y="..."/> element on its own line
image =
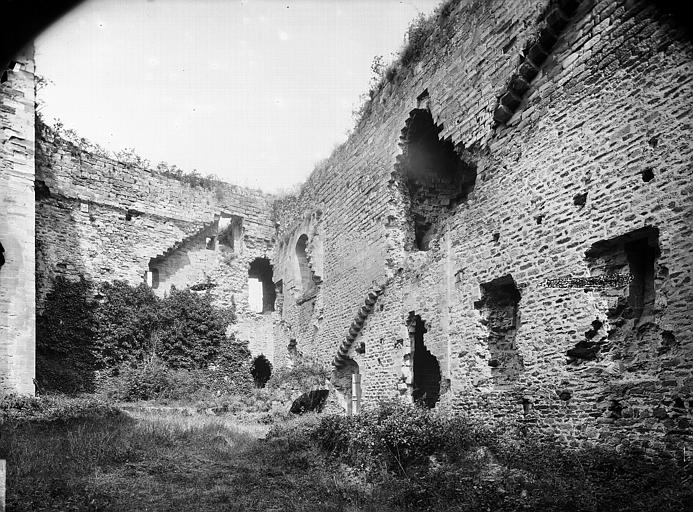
<point x="22" y="408"/>
<point x="398" y="435"/>
<point x="126" y="322"/>
<point x="302" y="377"/>
<point x="77" y="335"/>
<point x="432" y="460"/>
<point x="65" y="359"/>
<point x="150" y="381"/>
<point x="191" y="330"/>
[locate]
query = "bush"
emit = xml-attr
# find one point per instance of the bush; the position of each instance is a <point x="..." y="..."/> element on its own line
<point x="77" y="335"/>
<point x="302" y="377"/>
<point x="126" y="323"/>
<point x="191" y="330"/>
<point x="22" y="408"/>
<point x="426" y="459"/>
<point x="65" y="330"/>
<point x="395" y="436"/>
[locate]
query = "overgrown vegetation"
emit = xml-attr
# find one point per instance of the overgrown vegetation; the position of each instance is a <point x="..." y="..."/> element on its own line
<point x="120" y="329"/>
<point x="304" y="376"/>
<point x="53" y="408"/>
<point x="396" y="457"/>
<point x="418" y="459"/>
<point x="422" y="31"/>
<point x="128" y="156"/>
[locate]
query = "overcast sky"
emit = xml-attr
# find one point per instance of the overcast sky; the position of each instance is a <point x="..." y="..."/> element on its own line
<point x="254" y="91"/>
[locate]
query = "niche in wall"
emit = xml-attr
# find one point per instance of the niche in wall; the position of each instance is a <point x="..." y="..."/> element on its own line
<point x="634" y="253"/>
<point x="499" y="308"/>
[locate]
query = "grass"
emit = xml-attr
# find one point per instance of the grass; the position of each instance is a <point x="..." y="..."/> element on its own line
<point x="151" y="461"/>
<point x="80" y="454"/>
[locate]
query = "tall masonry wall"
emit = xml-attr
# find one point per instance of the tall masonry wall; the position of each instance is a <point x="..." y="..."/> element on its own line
<point x="555" y="288"/>
<point x="17" y="305"/>
<point x="106" y="220"/>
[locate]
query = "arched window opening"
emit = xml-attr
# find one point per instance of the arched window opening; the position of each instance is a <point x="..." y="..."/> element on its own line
<point x="436" y="178"/>
<point x="306" y="273"/>
<point x="425" y="381"/>
<point x="261" y="291"/>
<point x="261" y="371"/>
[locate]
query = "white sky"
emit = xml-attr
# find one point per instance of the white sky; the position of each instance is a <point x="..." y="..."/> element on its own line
<point x="254" y="91"/>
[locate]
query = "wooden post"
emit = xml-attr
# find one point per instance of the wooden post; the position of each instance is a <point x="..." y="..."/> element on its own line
<point x="355" y="393"/>
<point x="3" y="473"/>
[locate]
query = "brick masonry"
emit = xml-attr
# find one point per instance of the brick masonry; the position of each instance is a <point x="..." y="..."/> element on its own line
<point x="608" y="109"/>
<point x="572" y="123"/>
<point x="105" y="220"/>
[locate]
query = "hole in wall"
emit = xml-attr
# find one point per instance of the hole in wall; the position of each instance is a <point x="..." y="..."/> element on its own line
<point x="626" y="268"/>
<point x="526" y="406"/>
<point x="343" y="381"/>
<point x="292" y="353"/>
<point x="131" y="213"/>
<point x="261" y="371"/>
<point x="436" y="178"/>
<point x="588" y="348"/>
<point x="151" y="278"/>
<point x="580" y="199"/>
<point x="426" y="378"/>
<point x="261" y="290"/>
<point x="2" y="255"/>
<point x="41" y="190"/>
<point x="499" y="310"/>
<point x="647" y="174"/>
<point x="231" y="232"/>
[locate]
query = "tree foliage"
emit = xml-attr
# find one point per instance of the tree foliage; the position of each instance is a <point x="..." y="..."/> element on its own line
<point x="83" y="329"/>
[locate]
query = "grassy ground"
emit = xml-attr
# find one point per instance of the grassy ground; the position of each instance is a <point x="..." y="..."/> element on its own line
<point x="163" y="462"/>
<point x="81" y="454"/>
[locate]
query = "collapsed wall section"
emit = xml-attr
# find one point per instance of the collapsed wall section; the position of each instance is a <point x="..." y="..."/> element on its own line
<point x="17" y="305"/>
<point x="595" y="150"/>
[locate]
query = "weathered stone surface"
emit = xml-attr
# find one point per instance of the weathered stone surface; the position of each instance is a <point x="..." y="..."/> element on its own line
<point x="571" y="170"/>
<point x="610" y="100"/>
<point x="17" y="232"/>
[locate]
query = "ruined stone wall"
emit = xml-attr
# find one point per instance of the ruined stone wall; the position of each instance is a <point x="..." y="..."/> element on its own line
<point x="17" y="306"/>
<point x="573" y="166"/>
<point x="107" y="220"/>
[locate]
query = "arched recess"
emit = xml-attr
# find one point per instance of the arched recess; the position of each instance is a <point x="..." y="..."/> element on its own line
<point x="342" y="380"/>
<point x="306" y="273"/>
<point x="436" y="178"/>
